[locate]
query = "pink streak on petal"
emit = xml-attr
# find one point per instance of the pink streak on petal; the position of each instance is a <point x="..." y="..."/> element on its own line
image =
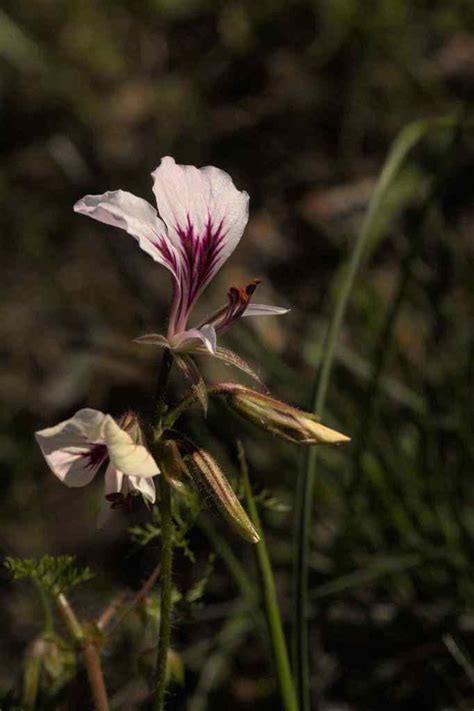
<point x="74" y="449"/>
<point x="205" y="216"/>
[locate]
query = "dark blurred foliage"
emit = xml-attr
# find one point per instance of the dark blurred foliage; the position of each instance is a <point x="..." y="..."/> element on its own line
<point x="299" y="102"/>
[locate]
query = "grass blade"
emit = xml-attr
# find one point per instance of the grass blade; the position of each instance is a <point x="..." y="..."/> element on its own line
<point x="366" y="242"/>
<point x="272" y="610"/>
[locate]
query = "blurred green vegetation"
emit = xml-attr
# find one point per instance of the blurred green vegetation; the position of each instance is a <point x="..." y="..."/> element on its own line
<point x="300" y="102"/>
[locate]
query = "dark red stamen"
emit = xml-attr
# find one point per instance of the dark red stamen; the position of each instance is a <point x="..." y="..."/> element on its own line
<point x="239" y="299"/>
<point x="119" y="501"/>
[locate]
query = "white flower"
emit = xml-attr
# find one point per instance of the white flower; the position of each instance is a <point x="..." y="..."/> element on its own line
<point x="202" y="218"/>
<point x="76" y="449"/>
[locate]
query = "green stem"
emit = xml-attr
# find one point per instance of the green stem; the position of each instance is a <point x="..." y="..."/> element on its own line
<point x="48" y="622"/>
<point x="161" y="387"/>
<point x="174" y="414"/>
<point x="166" y="591"/>
<point x="272" y="610"/>
<point x="166" y="561"/>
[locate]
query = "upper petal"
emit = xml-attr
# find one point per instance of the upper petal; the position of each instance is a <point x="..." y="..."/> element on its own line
<point x="128" y="457"/>
<point x="205" y="215"/>
<point x="74" y="449"/>
<point x="137" y="217"/>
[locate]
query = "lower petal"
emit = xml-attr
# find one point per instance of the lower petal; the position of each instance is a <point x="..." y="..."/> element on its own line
<point x="264" y="310"/>
<point x="145" y="487"/>
<point x="188" y="341"/>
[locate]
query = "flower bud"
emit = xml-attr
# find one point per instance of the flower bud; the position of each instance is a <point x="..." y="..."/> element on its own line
<point x="130" y="424"/>
<point x="172" y="465"/>
<point x="279" y="418"/>
<point x="208" y="477"/>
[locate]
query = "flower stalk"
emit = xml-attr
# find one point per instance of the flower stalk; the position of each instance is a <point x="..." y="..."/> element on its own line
<point x="166" y="594"/>
<point x="198" y="223"/>
<point x="166" y="561"/>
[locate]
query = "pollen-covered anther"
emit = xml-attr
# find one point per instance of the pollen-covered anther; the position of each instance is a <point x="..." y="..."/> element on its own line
<point x="129" y="423"/>
<point x="241" y="294"/>
<point x="238" y="300"/>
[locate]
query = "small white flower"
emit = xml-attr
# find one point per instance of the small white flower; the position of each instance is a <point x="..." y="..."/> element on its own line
<point x="76" y="449"/>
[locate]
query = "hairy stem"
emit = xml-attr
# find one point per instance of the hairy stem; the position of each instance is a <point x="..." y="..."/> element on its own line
<point x="89" y="652"/>
<point x="272" y="610"/>
<point x="166" y="562"/>
<point x="166" y="590"/>
<point x="161" y="387"/>
<point x="188" y="401"/>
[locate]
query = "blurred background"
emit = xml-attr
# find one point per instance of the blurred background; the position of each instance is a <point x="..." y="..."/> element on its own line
<point x="300" y="101"/>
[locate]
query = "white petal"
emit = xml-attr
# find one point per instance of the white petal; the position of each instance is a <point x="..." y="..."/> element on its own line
<point x="146" y="487"/>
<point x="153" y="339"/>
<point x="137" y="217"/>
<point x="113" y="480"/>
<point x="264" y="310"/>
<point x="72" y="448"/>
<point x="130" y="458"/>
<point x="188" y="341"/>
<point x="186" y="196"/>
<point x="208" y="334"/>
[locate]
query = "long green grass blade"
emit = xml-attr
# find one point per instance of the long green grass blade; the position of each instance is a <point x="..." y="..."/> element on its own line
<point x="366" y="242"/>
<point x="272" y="610"/>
